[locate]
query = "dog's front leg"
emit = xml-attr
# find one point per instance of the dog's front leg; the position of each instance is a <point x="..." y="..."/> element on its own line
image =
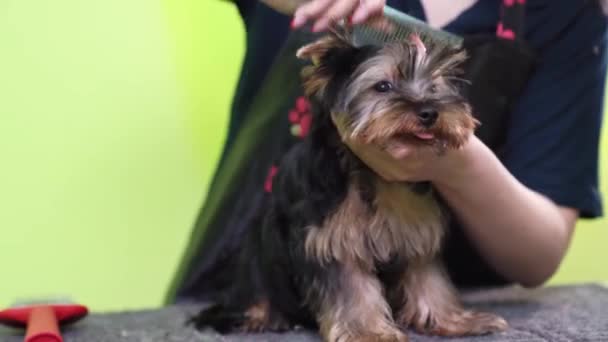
<point x="350" y="306"/>
<point x="430" y="305"/>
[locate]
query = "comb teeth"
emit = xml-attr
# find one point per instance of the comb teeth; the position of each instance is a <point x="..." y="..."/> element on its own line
<point x="403" y="26"/>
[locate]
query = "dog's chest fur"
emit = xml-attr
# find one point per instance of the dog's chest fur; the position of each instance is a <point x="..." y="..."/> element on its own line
<point x="395" y="222"/>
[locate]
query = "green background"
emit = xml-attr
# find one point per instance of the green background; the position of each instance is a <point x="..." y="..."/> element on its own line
<point x="112" y="115"/>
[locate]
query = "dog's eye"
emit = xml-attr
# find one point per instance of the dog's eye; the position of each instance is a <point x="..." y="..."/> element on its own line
<point x="433" y="88"/>
<point x="383" y="86"/>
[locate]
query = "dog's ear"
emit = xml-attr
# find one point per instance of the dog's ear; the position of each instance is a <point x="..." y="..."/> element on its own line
<point x="337" y="39"/>
<point x="323" y="53"/>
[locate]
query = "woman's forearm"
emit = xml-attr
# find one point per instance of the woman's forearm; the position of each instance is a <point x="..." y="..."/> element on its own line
<point x="521" y="233"/>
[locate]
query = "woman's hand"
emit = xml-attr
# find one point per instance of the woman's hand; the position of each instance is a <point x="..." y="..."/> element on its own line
<point x="409" y="163"/>
<point x="322" y="12"/>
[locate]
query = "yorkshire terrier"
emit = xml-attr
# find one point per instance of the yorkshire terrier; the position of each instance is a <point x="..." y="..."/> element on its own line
<point x="339" y="248"/>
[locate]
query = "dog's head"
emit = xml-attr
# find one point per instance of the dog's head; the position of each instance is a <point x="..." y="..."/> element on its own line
<point x="403" y="92"/>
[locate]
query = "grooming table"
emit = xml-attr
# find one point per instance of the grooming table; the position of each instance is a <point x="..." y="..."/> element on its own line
<point x="555" y="314"/>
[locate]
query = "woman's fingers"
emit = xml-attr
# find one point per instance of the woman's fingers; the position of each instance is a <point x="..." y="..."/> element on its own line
<point x="324" y="12"/>
<point x="309" y="10"/>
<point x="367" y="9"/>
<point x="399" y="151"/>
<point x="339" y="10"/>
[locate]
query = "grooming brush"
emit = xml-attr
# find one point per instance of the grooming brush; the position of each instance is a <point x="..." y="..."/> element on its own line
<point x="42" y="320"/>
<point x="395" y="26"/>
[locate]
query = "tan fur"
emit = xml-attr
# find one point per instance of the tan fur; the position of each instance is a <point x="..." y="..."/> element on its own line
<point x="405" y="223"/>
<point x="359" y="311"/>
<point x="454" y="126"/>
<point x="432" y="306"/>
<point x="259" y="319"/>
<point x="314" y="82"/>
<point x="413" y="221"/>
<point x="257" y="316"/>
<point x="342" y="237"/>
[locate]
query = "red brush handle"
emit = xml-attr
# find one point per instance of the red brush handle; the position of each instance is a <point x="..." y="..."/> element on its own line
<point x="42" y="326"/>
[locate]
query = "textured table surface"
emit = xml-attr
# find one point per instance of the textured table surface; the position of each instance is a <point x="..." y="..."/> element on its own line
<point x="553" y="314"/>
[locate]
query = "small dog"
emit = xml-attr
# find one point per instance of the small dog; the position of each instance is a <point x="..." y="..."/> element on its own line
<point x="338" y="248"/>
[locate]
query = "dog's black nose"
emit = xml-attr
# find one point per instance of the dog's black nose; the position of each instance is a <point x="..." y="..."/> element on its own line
<point x="427" y="117"/>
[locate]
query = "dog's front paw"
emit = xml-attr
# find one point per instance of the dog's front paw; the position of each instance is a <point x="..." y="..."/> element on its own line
<point x="397" y="336"/>
<point x="456" y="323"/>
<point x="388" y="336"/>
<point x="379" y="332"/>
<point x="469" y="323"/>
<point x="432" y="306"/>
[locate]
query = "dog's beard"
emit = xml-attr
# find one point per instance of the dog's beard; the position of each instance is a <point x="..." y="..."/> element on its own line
<point x="396" y="126"/>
